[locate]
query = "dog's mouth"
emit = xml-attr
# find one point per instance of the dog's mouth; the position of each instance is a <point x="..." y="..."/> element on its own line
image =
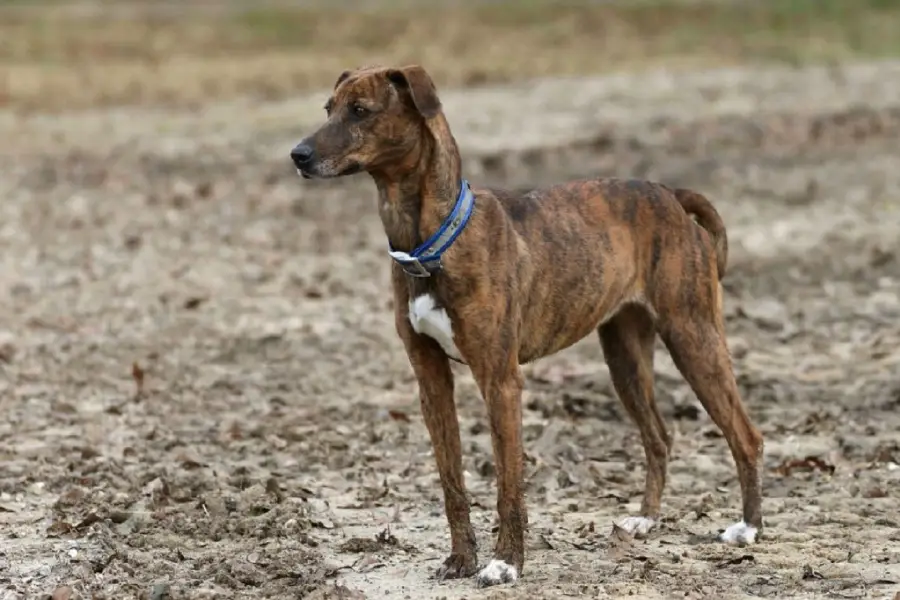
<point x="311" y="172"/>
<point x="351" y="169"/>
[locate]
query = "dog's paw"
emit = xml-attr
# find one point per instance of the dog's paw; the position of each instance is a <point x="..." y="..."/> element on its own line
<point x="739" y="534"/>
<point x="497" y="572"/>
<point x="637" y="526"/>
<point x="457" y="566"/>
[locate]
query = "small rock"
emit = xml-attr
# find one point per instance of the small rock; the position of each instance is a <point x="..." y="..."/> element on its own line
<point x="62" y="593"/>
<point x="160" y="591"/>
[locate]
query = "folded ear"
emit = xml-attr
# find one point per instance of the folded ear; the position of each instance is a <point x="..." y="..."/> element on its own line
<point x="341" y="79"/>
<point x="414" y="81"/>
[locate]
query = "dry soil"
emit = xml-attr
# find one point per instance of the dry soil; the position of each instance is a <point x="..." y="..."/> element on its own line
<point x="203" y="395"/>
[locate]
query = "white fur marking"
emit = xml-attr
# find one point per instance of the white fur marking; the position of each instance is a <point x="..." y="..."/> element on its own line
<point x="637" y="526"/>
<point x="434" y="322"/>
<point x="299" y="172"/>
<point x="497" y="572"/>
<point x="739" y="533"/>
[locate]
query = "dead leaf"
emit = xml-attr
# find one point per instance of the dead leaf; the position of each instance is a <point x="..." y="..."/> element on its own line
<point x="234" y="431"/>
<point x="620" y="542"/>
<point x="7" y="349"/>
<point x="809" y="573"/>
<point x="71" y="496"/>
<point x="204" y="189"/>
<point x="358" y="545"/>
<point x="586" y="529"/>
<point x="274" y="489"/>
<point x="810" y="463"/>
<point x="119" y="516"/>
<point x="58" y="528"/>
<point x="322" y="522"/>
<point x="875" y="492"/>
<point x="686" y="412"/>
<point x="89" y="520"/>
<point x="63" y="408"/>
<point x="543" y="543"/>
<point x="738" y="560"/>
<point x="193" y="303"/>
<point x="397" y="415"/>
<point x="88" y="453"/>
<point x="114" y="409"/>
<point x="137" y="373"/>
<point x="132" y="241"/>
<point x="385" y="537"/>
<point x="367" y="563"/>
<point x="620" y="535"/>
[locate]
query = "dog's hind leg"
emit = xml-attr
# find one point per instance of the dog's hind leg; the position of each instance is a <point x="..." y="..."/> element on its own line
<point x="696" y="341"/>
<point x="628" y="342"/>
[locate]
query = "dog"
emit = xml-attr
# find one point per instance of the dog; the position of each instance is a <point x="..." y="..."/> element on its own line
<point x="495" y="279"/>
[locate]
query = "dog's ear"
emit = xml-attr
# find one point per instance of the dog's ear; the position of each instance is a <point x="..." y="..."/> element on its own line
<point x="341" y="79"/>
<point x="418" y="84"/>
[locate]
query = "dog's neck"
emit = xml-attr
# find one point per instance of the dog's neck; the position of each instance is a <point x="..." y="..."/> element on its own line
<point x="415" y="198"/>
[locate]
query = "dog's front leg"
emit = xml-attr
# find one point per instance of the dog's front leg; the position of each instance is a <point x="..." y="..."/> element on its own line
<point x="496" y="370"/>
<point x="432" y="370"/>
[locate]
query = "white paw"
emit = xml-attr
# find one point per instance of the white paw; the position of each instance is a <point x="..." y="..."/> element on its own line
<point x="739" y="533"/>
<point x="497" y="572"/>
<point x="637" y="526"/>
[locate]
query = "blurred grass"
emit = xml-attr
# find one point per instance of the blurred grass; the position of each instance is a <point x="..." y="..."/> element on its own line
<point x="56" y="57"/>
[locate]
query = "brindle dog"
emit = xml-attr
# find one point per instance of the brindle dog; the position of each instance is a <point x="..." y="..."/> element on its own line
<point x="529" y="275"/>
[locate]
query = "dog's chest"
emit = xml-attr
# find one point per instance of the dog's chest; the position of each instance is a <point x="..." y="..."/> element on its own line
<point x="428" y="319"/>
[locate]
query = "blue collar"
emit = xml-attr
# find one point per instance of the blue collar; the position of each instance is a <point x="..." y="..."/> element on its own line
<point x="425" y="260"/>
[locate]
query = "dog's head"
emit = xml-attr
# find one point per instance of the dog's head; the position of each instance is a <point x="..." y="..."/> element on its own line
<point x="375" y="118"/>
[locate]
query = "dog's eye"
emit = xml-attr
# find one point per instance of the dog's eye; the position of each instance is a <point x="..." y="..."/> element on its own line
<point x="328" y="106"/>
<point x="360" y="111"/>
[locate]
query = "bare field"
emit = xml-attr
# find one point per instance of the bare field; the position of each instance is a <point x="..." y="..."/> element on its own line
<point x="204" y="397"/>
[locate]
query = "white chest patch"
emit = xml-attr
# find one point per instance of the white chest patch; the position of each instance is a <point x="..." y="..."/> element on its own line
<point x="434" y="322"/>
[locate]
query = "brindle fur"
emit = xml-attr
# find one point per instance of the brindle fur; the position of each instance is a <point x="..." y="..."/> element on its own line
<point x="530" y="275"/>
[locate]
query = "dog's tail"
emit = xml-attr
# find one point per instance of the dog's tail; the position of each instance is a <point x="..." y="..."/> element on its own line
<point x="709" y="219"/>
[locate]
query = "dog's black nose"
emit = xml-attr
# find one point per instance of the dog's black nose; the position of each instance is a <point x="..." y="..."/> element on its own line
<point x="301" y="154"/>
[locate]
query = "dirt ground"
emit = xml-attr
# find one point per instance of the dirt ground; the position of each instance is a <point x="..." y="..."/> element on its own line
<point x="203" y="395"/>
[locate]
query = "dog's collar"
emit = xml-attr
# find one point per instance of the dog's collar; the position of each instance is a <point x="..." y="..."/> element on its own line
<point x="425" y="260"/>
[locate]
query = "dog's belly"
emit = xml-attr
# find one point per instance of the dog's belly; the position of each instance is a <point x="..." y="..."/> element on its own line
<point x="427" y="319"/>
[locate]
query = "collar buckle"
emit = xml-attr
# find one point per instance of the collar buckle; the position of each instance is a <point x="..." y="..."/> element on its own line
<point x="412" y="265"/>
